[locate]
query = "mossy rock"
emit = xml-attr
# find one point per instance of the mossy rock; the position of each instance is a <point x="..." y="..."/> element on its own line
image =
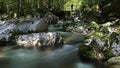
<point x="93" y="52"/>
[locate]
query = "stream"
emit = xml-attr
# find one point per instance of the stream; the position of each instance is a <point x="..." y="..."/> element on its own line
<point x="65" y="57"/>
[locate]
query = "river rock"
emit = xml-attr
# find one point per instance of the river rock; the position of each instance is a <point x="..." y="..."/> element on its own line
<point x="49" y="39"/>
<point x="24" y="26"/>
<point x="51" y="18"/>
<point x="34" y="25"/>
<point x="6" y="32"/>
<point x="9" y="30"/>
<point x="30" y="25"/>
<point x="96" y="48"/>
<point x="113" y="62"/>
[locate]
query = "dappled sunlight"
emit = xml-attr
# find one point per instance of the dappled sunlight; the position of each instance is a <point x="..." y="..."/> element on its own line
<point x="76" y="5"/>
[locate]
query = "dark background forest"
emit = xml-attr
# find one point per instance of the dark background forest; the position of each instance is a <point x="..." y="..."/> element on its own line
<point x="103" y="10"/>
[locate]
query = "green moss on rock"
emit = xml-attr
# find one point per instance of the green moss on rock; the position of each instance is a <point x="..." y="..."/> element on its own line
<point x="108" y="54"/>
<point x="87" y="51"/>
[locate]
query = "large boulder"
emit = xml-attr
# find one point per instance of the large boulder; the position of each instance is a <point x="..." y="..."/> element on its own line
<point x="91" y="51"/>
<point x="101" y="48"/>
<point x="9" y="30"/>
<point x="30" y="25"/>
<point x="33" y="25"/>
<point x="53" y="40"/>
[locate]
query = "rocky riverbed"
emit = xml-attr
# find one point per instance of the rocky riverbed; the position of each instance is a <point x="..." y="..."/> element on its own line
<point x="54" y="39"/>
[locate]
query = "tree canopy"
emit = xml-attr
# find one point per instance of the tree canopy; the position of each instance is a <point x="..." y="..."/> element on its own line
<point x="18" y="8"/>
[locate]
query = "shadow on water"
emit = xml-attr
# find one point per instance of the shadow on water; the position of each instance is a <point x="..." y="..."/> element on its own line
<point x="65" y="57"/>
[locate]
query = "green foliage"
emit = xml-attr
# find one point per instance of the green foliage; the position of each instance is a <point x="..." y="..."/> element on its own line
<point x="94" y="25"/>
<point x="118" y="27"/>
<point x="113" y="38"/>
<point x="24" y="7"/>
<point x="99" y="35"/>
<point x="98" y="10"/>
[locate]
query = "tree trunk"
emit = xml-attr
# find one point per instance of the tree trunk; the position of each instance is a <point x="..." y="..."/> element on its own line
<point x="19" y="8"/>
<point x="38" y="4"/>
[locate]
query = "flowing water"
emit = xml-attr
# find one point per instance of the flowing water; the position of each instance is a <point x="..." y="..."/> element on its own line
<point x="65" y="57"/>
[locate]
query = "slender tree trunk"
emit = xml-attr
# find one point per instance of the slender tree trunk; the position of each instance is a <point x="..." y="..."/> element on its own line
<point x="49" y="5"/>
<point x="7" y="7"/>
<point x="38" y="4"/>
<point x="19" y="8"/>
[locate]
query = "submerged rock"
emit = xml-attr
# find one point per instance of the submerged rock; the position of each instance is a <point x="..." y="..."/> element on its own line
<point x="53" y="40"/>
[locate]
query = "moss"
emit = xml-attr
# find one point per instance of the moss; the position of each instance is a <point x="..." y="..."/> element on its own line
<point x="100" y="35"/>
<point x="108" y="54"/>
<point x="87" y="51"/>
<point x="94" y="26"/>
<point x="118" y="27"/>
<point x="113" y="38"/>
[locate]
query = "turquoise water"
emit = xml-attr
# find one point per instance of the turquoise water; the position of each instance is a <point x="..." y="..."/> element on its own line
<point x="65" y="57"/>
